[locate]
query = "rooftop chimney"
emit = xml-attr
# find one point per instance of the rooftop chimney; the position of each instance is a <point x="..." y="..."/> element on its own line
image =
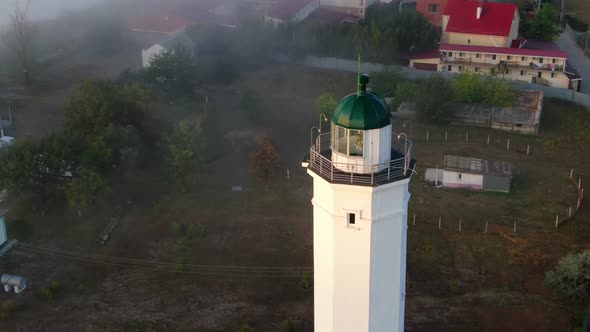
<point x="479" y="10"/>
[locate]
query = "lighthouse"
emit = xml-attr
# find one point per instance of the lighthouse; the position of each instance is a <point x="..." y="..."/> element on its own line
<point x="361" y="171"/>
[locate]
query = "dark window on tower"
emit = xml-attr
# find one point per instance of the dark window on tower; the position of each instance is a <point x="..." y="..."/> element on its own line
<point x="351" y="218"/>
<point x="433" y="8"/>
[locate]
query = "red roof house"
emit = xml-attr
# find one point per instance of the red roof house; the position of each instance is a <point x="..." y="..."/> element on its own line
<point x="473" y="22"/>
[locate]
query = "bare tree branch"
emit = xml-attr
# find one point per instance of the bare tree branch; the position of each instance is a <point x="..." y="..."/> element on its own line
<point x="20" y="37"/>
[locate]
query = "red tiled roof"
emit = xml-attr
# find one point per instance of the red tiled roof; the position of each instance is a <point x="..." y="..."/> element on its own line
<point x="327" y="16"/>
<point x="495" y="19"/>
<point x="287" y="9"/>
<point x="504" y="50"/>
<point x="426" y="55"/>
<point x="161" y="23"/>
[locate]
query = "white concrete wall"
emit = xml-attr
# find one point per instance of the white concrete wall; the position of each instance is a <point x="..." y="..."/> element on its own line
<point x="359" y="270"/>
<point x="471" y="181"/>
<point x="146" y="55"/>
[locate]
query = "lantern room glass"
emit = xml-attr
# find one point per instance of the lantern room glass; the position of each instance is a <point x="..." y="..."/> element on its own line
<point x="349" y="142"/>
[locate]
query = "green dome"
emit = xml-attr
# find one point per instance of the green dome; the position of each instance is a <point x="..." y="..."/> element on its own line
<point x="364" y="110"/>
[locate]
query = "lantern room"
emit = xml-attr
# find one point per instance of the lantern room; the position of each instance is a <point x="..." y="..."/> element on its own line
<point x="361" y="132"/>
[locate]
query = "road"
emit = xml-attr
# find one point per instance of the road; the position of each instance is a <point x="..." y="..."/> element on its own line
<point x="576" y="58"/>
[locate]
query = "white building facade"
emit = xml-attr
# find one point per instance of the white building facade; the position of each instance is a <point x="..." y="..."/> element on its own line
<point x="360" y="202"/>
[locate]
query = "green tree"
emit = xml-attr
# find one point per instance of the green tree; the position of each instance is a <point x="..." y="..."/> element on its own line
<point x="468" y="88"/>
<point x="264" y="160"/>
<point x="184" y="151"/>
<point x="85" y="189"/>
<point x="434" y="104"/>
<point x="96" y="104"/>
<point x="498" y="92"/>
<point x="571" y="277"/>
<point x="326" y="104"/>
<point x="387" y="81"/>
<point x="543" y="26"/>
<point x="175" y="71"/>
<point x="245" y="327"/>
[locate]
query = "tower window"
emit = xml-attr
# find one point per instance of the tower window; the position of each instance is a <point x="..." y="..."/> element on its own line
<point x="351" y="218"/>
<point x="433" y="8"/>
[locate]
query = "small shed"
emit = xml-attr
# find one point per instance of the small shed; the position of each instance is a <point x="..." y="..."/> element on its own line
<point x="472" y="173"/>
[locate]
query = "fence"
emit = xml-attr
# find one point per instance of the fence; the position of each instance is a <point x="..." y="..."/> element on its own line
<point x="572" y="211"/>
<point x="416" y="74"/>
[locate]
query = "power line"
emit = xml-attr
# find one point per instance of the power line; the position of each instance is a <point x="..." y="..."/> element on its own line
<point x="155" y="266"/>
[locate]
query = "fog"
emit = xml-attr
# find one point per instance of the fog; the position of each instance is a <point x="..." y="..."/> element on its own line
<point x="44" y="9"/>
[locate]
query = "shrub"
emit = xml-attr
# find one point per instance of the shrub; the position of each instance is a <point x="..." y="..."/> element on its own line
<point x="7" y="308"/>
<point x="571" y="276"/>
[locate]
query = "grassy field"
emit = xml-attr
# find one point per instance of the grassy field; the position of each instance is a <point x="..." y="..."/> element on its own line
<point x="456" y="281"/>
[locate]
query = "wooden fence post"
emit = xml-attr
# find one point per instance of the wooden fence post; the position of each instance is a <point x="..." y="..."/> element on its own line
<point x="439" y="222"/>
<point x="486" y="229"/>
<point x="514" y="231"/>
<point x="508" y="145"/>
<point x="556" y="220"/>
<point x="528" y="149"/>
<point x="572" y="173"/>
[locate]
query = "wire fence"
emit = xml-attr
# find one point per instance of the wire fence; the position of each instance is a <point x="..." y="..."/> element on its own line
<point x="501" y="225"/>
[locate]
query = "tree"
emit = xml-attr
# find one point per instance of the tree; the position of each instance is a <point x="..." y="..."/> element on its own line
<point x="20" y="36"/>
<point x="326" y="104"/>
<point x="175" y="71"/>
<point x="289" y="326"/>
<point x="434" y="103"/>
<point x="543" y="26"/>
<point x="85" y="189"/>
<point x="264" y="160"/>
<point x="498" y="92"/>
<point x="96" y="104"/>
<point x="571" y="276"/>
<point x="468" y="88"/>
<point x="184" y="150"/>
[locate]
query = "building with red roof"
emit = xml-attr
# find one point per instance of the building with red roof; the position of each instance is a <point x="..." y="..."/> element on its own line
<point x="164" y="24"/>
<point x="482" y="37"/>
<point x="480" y="23"/>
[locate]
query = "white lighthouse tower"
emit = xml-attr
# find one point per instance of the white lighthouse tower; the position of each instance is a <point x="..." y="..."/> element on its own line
<point x="361" y="171"/>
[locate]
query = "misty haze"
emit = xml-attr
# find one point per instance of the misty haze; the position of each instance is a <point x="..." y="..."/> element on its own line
<point x="294" y="165"/>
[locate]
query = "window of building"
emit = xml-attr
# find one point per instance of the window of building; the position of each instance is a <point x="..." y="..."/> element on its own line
<point x="523" y="58"/>
<point x="477" y="69"/>
<point x="533" y="58"/>
<point x="468" y="41"/>
<point x="554" y="61"/>
<point x="433" y="8"/>
<point x="362" y="11"/>
<point x="351" y="218"/>
<point x="461" y="54"/>
<point x="461" y="68"/>
<point x="459" y="176"/>
<point x="507" y="72"/>
<point x="493" y="56"/>
<point x="509" y="57"/>
<point x="450" y="53"/>
<point x="540" y="74"/>
<point x="449" y="68"/>
<point x="522" y="73"/>
<point x="477" y="55"/>
<point x="349" y="142"/>
<point x="540" y="60"/>
<point x="552" y="75"/>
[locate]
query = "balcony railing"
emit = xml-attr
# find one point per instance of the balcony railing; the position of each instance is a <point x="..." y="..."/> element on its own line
<point x="399" y="167"/>
<point x="503" y="64"/>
